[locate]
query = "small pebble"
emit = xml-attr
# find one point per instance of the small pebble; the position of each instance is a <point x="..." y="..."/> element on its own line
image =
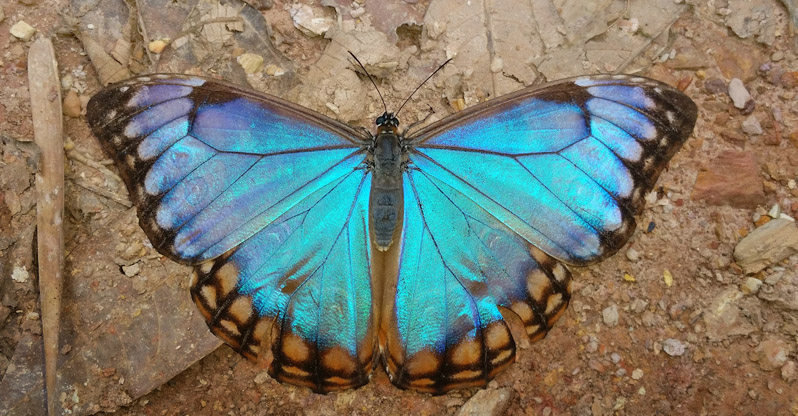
<point x="716" y="86"/>
<point x="751" y="286"/>
<point x="615" y="357"/>
<point x="667" y="277"/>
<point x="637" y="374"/>
<point x="22" y="30"/>
<point x="739" y="95"/>
<point x="673" y="347"/>
<point x="131" y="270"/>
<point x="252" y="63"/>
<point x="775" y="211"/>
<point x="610" y="315"/>
<point x="71" y="104"/>
<point x="157" y="46"/>
<point x="788" y="371"/>
<point x="777" y="56"/>
<point x="751" y="126"/>
<point x="632" y="254"/>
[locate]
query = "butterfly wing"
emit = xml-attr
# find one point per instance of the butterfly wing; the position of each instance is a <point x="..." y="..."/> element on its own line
<point x="564" y="165"/>
<point x="457" y="266"/>
<point x="494" y="195"/>
<point x="266" y="200"/>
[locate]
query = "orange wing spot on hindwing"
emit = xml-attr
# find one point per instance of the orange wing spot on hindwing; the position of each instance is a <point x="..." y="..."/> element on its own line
<point x="497" y="337"/>
<point x="338" y="360"/>
<point x="538" y="285"/>
<point x="295" y="348"/>
<point x="423" y="363"/>
<point x="231" y="328"/>
<point x="467" y="353"/>
<point x="227" y="278"/>
<point x="208" y="294"/>
<point x="553" y="302"/>
<point x="241" y="309"/>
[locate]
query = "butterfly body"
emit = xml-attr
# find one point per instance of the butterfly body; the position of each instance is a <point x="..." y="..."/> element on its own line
<point x="324" y="250"/>
<point x="386" y="161"/>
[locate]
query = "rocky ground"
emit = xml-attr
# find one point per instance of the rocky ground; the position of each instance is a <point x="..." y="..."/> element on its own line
<point x="697" y="315"/>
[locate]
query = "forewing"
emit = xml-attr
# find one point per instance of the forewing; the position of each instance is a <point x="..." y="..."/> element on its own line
<point x="564" y="165"/>
<point x="442" y="327"/>
<point x="208" y="164"/>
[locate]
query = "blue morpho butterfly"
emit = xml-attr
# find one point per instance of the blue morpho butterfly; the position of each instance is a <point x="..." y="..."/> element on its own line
<point x="329" y="248"/>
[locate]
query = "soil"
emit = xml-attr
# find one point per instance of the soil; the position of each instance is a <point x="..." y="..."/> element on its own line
<point x="669" y="325"/>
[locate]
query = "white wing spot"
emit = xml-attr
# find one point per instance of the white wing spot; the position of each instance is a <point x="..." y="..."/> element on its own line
<point x="664" y="141"/>
<point x="671" y="117"/>
<point x="131" y="161"/>
<point x="124" y="89"/>
<point x="585" y="82"/>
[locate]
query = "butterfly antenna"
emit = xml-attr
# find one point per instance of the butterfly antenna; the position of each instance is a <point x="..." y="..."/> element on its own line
<point x="419" y="86"/>
<point x="370" y="79"/>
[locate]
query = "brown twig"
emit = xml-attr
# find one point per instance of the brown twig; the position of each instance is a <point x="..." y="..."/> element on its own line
<point x="45" y="96"/>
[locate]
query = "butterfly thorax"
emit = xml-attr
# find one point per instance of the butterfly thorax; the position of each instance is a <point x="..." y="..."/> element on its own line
<point x="386" y="189"/>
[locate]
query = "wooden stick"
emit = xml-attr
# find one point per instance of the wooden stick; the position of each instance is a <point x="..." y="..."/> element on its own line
<point x="45" y="97"/>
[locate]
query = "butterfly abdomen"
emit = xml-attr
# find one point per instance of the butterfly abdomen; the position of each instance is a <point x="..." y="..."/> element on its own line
<point x="386" y="188"/>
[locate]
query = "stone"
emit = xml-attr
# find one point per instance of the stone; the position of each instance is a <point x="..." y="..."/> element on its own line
<point x="157" y="46"/>
<point x="131" y="270"/>
<point x="768" y="244"/>
<point x="632" y="254"/>
<point x="20" y="274"/>
<point x="737" y="60"/>
<point x="71" y="106"/>
<point x="252" y="63"/>
<point x="306" y="20"/>
<point x="716" y="86"/>
<point x="731" y="179"/>
<point x="727" y="315"/>
<point x="487" y="403"/>
<point x="739" y="95"/>
<point x="610" y="315"/>
<point x="771" y="354"/>
<point x="788" y="371"/>
<point x="673" y="347"/>
<point x="784" y="293"/>
<point x="637" y="374"/>
<point x="22" y="30"/>
<point x="751" y="285"/>
<point x="733" y="136"/>
<point x="789" y="79"/>
<point x="751" y="126"/>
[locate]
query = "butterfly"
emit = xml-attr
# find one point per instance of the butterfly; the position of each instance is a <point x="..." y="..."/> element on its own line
<point x="324" y="250"/>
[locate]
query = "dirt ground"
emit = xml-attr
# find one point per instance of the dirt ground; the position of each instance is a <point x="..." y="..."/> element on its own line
<point x="682" y="321"/>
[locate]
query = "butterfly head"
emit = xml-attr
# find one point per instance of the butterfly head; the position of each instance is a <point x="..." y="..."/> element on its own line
<point x="387" y="120"/>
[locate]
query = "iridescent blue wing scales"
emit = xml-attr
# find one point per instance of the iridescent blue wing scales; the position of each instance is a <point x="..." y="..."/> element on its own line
<point x="268" y="201"/>
<point x="564" y="165"/>
<point x="458" y="267"/>
<point x="497" y="195"/>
